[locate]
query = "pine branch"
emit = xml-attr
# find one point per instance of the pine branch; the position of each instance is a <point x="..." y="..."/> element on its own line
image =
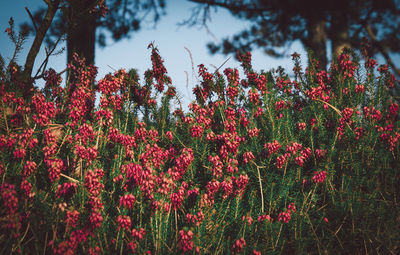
<point x="234" y="6"/>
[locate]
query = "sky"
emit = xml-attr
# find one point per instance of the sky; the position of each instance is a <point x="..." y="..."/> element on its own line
<point x="170" y="38"/>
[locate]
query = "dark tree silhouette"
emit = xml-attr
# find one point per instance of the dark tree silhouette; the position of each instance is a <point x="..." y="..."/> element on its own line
<point x="84" y="27"/>
<point x="278" y="23"/>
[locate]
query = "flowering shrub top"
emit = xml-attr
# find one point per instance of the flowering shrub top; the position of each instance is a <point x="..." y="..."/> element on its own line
<point x="130" y="176"/>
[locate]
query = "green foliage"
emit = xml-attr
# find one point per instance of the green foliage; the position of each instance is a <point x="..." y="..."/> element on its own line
<point x="264" y="163"/>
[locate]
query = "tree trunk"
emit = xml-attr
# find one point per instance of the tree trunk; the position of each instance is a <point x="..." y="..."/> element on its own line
<point x="81" y="32"/>
<point x="316" y="39"/>
<point x="339" y="34"/>
<point x="81" y="36"/>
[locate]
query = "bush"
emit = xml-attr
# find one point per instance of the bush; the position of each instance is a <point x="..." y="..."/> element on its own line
<point x="261" y="164"/>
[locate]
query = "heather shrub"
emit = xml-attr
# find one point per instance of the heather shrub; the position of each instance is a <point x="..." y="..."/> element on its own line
<point x="260" y="164"/>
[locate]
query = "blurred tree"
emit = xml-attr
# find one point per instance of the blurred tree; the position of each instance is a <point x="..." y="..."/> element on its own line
<point x="77" y="21"/>
<point x="278" y="23"/>
<point x="84" y="24"/>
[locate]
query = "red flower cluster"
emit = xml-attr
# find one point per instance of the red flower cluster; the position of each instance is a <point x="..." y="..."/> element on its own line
<point x="319" y="153"/>
<point x="111" y="83"/>
<point x="264" y="217"/>
<point x="272" y="147"/>
<point x="89" y="154"/>
<point x="196" y="131"/>
<point x="29" y="168"/>
<point x="347" y="66"/>
<point x="319" y="177"/>
<point x="94" y="187"/>
<point x="281" y="160"/>
<point x="196" y="218"/>
<point x="9" y="203"/>
<point x="217" y="165"/>
<point x="44" y="111"/>
<point x="254" y="96"/>
<point x="238" y="246"/>
<point x="127" y="201"/>
<point x="186" y="240"/>
<point x="66" y="190"/>
<point x="177" y="198"/>
<point x="285" y="216"/>
<point x="284" y="85"/>
<point x="182" y="163"/>
<point x="92" y="182"/>
<point x="346" y="119"/>
<point x="360" y="88"/>
<point x="159" y="71"/>
<point x="248" y="219"/>
<point x="248" y="156"/>
<point x="72" y="218"/>
<point x="55" y="166"/>
<point x="124" y="222"/>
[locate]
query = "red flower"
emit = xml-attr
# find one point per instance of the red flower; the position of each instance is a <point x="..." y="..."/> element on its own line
<point x="248" y="156"/>
<point x="284" y="216"/>
<point x="238" y="246"/>
<point x="127" y="201"/>
<point x="186" y="240"/>
<point x="319" y="177"/>
<point x="72" y="218"/>
<point x="124" y="222"/>
<point x="264" y="218"/>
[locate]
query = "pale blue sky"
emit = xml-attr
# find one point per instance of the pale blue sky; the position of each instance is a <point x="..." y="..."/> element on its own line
<point x="170" y="39"/>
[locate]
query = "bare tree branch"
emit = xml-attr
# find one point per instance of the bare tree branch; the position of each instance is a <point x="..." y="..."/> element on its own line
<point x="40" y="34"/>
<point x="43" y="66"/>
<point x="381" y="48"/>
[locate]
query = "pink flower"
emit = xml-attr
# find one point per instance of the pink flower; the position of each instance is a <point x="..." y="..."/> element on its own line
<point x="66" y="190"/>
<point x="138" y="234"/>
<point x="248" y="156"/>
<point x="284" y="216"/>
<point x="264" y="217"/>
<point x="72" y="218"/>
<point x="169" y="135"/>
<point x="291" y="208"/>
<point x="301" y="126"/>
<point x="281" y="160"/>
<point x="359" y="88"/>
<point x="127" y="201"/>
<point x="26" y="187"/>
<point x="272" y="147"/>
<point x="196" y="131"/>
<point x="186" y="240"/>
<point x="247" y="218"/>
<point x="319" y="177"/>
<point x="124" y="222"/>
<point x="254" y="96"/>
<point x="253" y="132"/>
<point x="238" y="246"/>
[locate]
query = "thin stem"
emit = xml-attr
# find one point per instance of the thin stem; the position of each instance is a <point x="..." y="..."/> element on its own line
<point x="261" y="188"/>
<point x="176" y="226"/>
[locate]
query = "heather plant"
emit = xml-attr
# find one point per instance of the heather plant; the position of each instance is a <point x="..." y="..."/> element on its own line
<point x="260" y="164"/>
